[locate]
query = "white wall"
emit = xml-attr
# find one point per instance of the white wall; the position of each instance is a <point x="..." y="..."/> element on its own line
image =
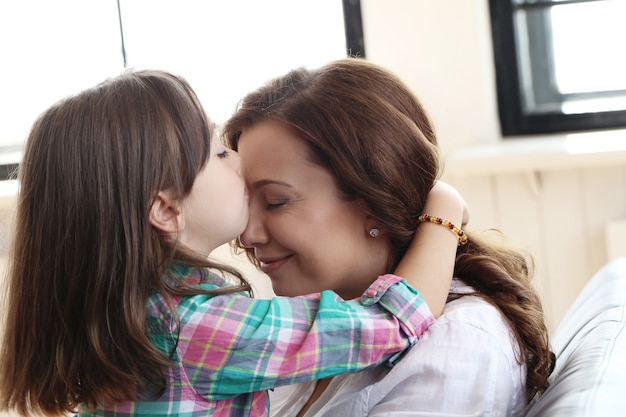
<point x="442" y="49"/>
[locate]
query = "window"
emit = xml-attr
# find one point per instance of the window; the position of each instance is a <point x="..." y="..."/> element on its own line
<point x="560" y="64"/>
<point x="224" y="48"/>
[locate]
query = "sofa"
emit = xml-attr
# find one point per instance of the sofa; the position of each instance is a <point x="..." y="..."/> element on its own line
<point x="589" y="379"/>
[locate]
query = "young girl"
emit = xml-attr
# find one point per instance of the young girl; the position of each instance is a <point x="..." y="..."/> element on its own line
<point x="111" y="307"/>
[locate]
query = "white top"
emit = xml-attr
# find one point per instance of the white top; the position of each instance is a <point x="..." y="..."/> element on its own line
<point x="464" y="365"/>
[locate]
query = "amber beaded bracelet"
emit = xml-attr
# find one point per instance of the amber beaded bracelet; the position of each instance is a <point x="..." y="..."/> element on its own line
<point x="438" y="220"/>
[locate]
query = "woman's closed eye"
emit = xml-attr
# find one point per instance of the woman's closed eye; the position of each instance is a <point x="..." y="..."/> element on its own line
<point x="274" y="205"/>
<point x="223" y="154"/>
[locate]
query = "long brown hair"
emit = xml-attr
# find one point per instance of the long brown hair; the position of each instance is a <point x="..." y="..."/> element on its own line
<point x="370" y="131"/>
<point x="85" y="258"/>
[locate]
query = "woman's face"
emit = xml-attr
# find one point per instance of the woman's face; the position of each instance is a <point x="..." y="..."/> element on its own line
<point x="306" y="238"/>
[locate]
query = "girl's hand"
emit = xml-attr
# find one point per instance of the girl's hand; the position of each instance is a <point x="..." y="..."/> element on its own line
<point x="428" y="263"/>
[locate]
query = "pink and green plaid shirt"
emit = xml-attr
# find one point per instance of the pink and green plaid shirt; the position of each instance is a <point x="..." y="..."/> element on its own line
<point x="228" y="350"/>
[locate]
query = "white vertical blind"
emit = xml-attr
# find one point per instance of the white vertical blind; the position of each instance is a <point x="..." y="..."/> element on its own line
<point x="225" y="48"/>
<point x="48" y="50"/>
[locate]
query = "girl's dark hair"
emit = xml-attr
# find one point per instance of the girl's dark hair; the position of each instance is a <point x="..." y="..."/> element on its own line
<point x="85" y="258"/>
<point x="371" y="132"/>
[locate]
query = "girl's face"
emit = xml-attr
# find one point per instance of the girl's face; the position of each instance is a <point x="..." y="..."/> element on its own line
<point x="216" y="210"/>
<point x="306" y="238"/>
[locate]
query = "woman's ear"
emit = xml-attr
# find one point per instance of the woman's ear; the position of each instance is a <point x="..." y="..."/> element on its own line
<point x="165" y="214"/>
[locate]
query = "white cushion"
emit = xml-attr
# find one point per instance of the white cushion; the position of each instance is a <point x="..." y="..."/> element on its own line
<point x="590" y="345"/>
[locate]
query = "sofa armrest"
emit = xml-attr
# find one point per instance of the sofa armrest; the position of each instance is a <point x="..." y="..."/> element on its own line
<point x="590" y="346"/>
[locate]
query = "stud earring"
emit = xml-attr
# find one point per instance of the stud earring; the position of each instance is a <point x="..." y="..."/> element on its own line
<point x="374" y="232"/>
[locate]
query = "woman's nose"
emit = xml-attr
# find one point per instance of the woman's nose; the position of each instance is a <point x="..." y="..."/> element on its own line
<point x="255" y="234"/>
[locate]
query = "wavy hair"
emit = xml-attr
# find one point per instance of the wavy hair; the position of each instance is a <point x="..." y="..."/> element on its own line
<point x="366" y="127"/>
<point x="85" y="258"/>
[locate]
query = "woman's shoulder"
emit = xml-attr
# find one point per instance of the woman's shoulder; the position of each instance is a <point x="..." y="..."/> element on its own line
<point x="472" y="323"/>
<point x="467" y="308"/>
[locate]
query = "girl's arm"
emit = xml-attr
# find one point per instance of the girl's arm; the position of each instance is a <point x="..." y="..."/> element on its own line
<point x="232" y="344"/>
<point x="428" y="264"/>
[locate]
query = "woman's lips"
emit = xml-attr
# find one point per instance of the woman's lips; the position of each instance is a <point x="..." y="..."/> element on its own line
<point x="270" y="266"/>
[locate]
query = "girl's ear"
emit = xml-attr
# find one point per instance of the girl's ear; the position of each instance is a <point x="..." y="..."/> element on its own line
<point x="165" y="214"/>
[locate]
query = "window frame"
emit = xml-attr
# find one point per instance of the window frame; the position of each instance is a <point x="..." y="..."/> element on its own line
<point x="353" y="22"/>
<point x="514" y="120"/>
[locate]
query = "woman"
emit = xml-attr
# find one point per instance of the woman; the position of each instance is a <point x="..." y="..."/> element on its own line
<point x="352" y="134"/>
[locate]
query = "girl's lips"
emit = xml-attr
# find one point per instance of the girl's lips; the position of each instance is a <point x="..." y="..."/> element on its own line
<point x="270" y="266"/>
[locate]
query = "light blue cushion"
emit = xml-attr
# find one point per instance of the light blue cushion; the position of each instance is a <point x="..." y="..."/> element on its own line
<point x="590" y="345"/>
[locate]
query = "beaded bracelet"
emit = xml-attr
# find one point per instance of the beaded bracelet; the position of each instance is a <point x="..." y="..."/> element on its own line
<point x="438" y="220"/>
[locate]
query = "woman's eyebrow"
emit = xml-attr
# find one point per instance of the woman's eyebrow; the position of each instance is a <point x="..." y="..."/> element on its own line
<point x="265" y="182"/>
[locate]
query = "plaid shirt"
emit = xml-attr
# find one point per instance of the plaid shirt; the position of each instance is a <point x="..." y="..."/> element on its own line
<point x="229" y="349"/>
